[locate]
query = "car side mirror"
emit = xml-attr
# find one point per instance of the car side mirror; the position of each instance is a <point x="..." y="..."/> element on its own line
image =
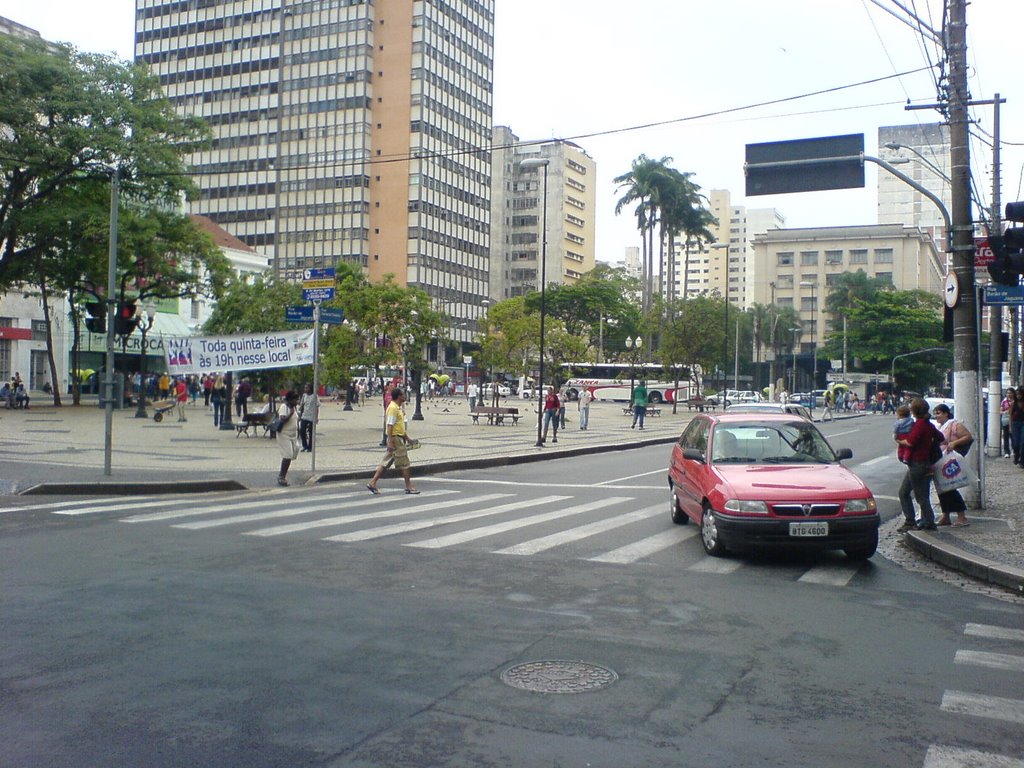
<point x="844" y="453"/>
<point x="693" y="455"/>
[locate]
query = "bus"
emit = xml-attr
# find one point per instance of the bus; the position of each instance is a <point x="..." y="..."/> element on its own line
<point x="611" y="381"/>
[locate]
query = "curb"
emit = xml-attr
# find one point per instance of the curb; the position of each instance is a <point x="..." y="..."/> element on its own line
<point x="133" y="489"/>
<point x="965" y="562"/>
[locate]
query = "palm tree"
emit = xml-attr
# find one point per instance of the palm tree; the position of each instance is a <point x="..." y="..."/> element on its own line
<point x="641" y="185"/>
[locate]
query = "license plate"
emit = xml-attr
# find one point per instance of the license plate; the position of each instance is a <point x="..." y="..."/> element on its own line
<point x="808" y="529"/>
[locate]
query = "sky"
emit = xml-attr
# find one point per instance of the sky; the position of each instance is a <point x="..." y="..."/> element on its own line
<point x="595" y="71"/>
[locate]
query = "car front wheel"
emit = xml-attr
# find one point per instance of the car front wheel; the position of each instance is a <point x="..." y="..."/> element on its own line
<point x="678" y="516"/>
<point x="709" y="533"/>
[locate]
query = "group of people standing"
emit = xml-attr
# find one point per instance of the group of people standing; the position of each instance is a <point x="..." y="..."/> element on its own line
<point x="920" y="447"/>
<point x="13" y="393"/>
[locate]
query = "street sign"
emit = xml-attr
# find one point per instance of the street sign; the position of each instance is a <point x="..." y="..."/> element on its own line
<point x="332" y="315"/>
<point x="300" y="313"/>
<point x="467" y="359"/>
<point x="326" y="273"/>
<point x="1004" y="294"/>
<point x="317" y="294"/>
<point x="805" y="165"/>
<point x="983" y="253"/>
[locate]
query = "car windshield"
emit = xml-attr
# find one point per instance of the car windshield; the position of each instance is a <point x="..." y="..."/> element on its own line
<point x="788" y="442"/>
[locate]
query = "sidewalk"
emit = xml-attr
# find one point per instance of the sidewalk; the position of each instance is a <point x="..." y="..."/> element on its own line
<point x="61" y="451"/>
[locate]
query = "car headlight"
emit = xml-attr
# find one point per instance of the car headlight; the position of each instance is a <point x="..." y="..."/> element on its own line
<point x="746" y="507"/>
<point x="861" y="505"/>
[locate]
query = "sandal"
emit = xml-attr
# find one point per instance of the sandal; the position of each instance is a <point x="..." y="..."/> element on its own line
<point x="961" y="523"/>
<point x="371" y="489"/>
<point x="412" y="491"/>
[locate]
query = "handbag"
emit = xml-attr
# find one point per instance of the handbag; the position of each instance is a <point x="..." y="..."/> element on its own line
<point x="277" y="424"/>
<point x="950" y="473"/>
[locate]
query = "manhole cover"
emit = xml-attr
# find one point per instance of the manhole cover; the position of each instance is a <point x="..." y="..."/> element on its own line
<point x="558" y="676"/>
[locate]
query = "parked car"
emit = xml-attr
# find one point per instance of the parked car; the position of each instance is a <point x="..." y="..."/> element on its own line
<point x="794" y="409"/>
<point x="731" y="396"/>
<point x="801" y="398"/>
<point x="488" y="390"/>
<point x="761" y="480"/>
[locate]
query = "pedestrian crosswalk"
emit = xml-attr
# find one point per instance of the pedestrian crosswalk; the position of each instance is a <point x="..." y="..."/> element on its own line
<point x="569" y="522"/>
<point x="1004" y="655"/>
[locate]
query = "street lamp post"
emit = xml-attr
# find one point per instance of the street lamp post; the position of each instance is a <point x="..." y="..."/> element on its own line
<point x="725" y="334"/>
<point x="148" y="312"/>
<point x="892" y="368"/>
<point x="634" y="346"/>
<point x="814" y="334"/>
<point x="541" y="162"/>
<point x="792" y="371"/>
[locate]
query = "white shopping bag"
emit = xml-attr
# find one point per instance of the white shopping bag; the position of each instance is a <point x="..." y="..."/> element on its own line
<point x="950" y="472"/>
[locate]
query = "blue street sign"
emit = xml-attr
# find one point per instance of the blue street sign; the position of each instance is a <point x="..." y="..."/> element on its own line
<point x="298" y="314"/>
<point x="326" y="273"/>
<point x="317" y="294"/>
<point x="1004" y="294"/>
<point x="332" y="315"/>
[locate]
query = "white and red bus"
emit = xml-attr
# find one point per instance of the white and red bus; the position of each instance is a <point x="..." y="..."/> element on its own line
<point x="611" y="381"/>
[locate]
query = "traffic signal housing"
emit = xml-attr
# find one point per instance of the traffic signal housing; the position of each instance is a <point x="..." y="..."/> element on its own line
<point x="125" y="320"/>
<point x="1008" y="249"/>
<point x="96" y="317"/>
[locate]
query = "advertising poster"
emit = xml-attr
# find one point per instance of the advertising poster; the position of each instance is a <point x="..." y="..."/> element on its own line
<point x="220" y="354"/>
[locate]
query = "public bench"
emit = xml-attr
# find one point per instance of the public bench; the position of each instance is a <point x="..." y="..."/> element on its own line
<point x="494" y="414"/>
<point x="700" y="404"/>
<point x="651" y="411"/>
<point x="254" y="421"/>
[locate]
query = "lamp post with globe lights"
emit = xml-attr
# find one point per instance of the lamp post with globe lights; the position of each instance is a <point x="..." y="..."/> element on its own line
<point x="541" y="162"/>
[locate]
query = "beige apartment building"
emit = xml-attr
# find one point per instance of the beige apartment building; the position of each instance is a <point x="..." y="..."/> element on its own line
<point x="798" y="267"/>
<point x="518" y="215"/>
<point x="343" y="130"/>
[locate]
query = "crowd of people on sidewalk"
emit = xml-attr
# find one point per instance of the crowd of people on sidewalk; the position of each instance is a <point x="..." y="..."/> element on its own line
<point x="13" y="393"/>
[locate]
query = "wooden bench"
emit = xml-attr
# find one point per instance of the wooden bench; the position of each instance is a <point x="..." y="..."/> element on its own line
<point x="700" y="404"/>
<point x="494" y="414"/>
<point x="254" y="421"/>
<point x="651" y="411"/>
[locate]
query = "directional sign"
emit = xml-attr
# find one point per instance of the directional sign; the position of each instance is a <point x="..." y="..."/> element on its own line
<point x="332" y="316"/>
<point x="318" y="294"/>
<point x="301" y="313"/>
<point x="805" y="165"/>
<point x="983" y="254"/>
<point x="318" y="283"/>
<point x="1004" y="294"/>
<point x="327" y="273"/>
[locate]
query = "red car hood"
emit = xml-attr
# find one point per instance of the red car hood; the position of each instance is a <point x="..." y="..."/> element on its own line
<point x="789" y="482"/>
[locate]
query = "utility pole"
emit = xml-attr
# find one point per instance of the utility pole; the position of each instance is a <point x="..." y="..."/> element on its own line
<point x="966" y="389"/>
<point x="993" y="446"/>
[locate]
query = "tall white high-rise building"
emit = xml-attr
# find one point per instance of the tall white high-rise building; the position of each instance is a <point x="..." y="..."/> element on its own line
<point x="923" y="154"/>
<point x="344" y="130"/>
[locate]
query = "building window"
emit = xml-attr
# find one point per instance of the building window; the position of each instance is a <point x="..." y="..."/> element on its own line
<point x="859" y="256"/>
<point x="808" y="303"/>
<point x="885" y="276"/>
<point x="808" y="258"/>
<point x="785" y="301"/>
<point x="832" y="279"/>
<point x="38" y="330"/>
<point x="785" y="258"/>
<point x="5" y="359"/>
<point x="883" y="255"/>
<point x="833" y="257"/>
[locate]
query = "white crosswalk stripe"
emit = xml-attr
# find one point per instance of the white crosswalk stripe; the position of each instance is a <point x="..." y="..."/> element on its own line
<point x="831" y="575"/>
<point x="418" y="525"/>
<point x="638" y="550"/>
<point x="545" y="543"/>
<point x="492" y="530"/>
<point x="979" y="705"/>
<point x="715" y="565"/>
<point x="955" y="757"/>
<point x="994" y="633"/>
<point x="1002" y="661"/>
<point x="360" y="500"/>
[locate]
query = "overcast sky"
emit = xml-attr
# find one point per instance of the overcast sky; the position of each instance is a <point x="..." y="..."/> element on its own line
<point x="577" y="68"/>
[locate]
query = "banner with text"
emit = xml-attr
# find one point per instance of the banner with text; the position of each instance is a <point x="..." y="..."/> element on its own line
<point x="208" y="354"/>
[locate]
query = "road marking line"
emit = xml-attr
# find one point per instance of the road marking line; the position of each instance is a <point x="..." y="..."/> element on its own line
<point x="876" y="460"/>
<point x="544" y="543"/>
<point x="832" y="575"/>
<point x="994" y="632"/>
<point x="509" y="525"/>
<point x="960" y="702"/>
<point x="956" y="757"/>
<point x="630" y="553"/>
<point x="545" y="485"/>
<point x="715" y="565"/>
<point x="662" y="471"/>
<point x="419" y="525"/>
<point x="295" y="512"/>
<point x="1003" y="661"/>
<point x="842" y="434"/>
<point x="121" y="500"/>
<point x="123" y="505"/>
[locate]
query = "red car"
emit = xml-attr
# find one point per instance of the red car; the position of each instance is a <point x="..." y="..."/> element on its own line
<point x="759" y="480"/>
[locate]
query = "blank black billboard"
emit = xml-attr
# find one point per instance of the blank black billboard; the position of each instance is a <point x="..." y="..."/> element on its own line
<point x="829" y="162"/>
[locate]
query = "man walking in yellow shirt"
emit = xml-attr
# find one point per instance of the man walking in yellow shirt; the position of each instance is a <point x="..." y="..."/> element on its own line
<point x="397" y="444"/>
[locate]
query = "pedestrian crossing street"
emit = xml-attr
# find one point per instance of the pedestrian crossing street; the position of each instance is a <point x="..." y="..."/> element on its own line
<point x="619" y="529"/>
<point x="993" y="648"/>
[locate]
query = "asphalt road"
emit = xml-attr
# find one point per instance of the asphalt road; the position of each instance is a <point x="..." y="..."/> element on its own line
<point x="326" y="627"/>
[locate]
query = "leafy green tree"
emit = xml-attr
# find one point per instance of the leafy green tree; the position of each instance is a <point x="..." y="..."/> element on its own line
<point x="693" y="337"/>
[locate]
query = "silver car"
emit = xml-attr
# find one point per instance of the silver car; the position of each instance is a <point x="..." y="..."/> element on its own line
<point x="794" y="409"/>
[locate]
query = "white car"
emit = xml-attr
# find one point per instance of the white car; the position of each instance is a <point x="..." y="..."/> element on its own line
<point x="731" y="396"/>
<point x="488" y="391"/>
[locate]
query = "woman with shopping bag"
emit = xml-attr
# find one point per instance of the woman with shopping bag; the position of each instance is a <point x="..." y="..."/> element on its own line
<point x="956" y="439"/>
